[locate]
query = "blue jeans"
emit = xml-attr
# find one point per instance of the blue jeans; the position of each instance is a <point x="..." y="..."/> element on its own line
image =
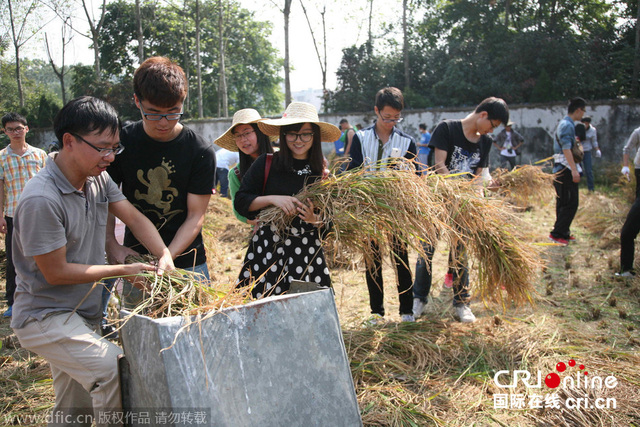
<point x="460" y="270"/>
<point x="587" y="165"/>
<point x="222" y="177"/>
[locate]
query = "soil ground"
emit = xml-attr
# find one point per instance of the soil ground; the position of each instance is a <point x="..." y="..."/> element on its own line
<point x="438" y="371"/>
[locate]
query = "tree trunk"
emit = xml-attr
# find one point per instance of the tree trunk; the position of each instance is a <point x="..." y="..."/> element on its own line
<point x="323" y="64"/>
<point x="139" y="29"/>
<point x="370" y="34"/>
<point x="185" y="50"/>
<point x="287" y="81"/>
<point x="405" y="46"/>
<point x="198" y="61"/>
<point x="16" y="45"/>
<point x="507" y="12"/>
<point x="223" y="72"/>
<point x="636" y="58"/>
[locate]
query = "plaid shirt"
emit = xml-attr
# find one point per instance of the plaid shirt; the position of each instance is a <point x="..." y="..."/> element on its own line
<point x="16" y="170"/>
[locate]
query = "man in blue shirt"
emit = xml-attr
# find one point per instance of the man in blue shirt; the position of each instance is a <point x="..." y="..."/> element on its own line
<point x="423" y="148"/>
<point x="568" y="175"/>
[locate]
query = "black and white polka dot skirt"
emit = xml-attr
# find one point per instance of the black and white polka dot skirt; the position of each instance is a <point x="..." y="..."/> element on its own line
<point x="274" y="260"/>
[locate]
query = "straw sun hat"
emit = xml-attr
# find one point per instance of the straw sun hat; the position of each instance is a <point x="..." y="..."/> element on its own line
<point x="300" y="112"/>
<point x="241" y="117"/>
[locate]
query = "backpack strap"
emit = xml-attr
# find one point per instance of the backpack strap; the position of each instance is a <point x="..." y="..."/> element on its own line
<point x="267" y="168"/>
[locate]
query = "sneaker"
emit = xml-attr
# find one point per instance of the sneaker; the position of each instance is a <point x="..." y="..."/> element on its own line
<point x="448" y="280"/>
<point x="572" y="238"/>
<point x="408" y="318"/>
<point x="559" y="240"/>
<point x="374" y="319"/>
<point x="9" y="312"/>
<point x="628" y="273"/>
<point x="465" y="315"/>
<point x="109" y="332"/>
<point x="418" y="307"/>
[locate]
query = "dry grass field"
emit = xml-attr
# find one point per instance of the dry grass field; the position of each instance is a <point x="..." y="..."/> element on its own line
<point x="438" y="371"/>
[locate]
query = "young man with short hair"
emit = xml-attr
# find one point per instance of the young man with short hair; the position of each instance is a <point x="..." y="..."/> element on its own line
<point x="167" y="171"/>
<point x="19" y="162"/>
<point x="461" y="146"/>
<point x="382" y="141"/>
<point x="567" y="173"/>
<point x="60" y="228"/>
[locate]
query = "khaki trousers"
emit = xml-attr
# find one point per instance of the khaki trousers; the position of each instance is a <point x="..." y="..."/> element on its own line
<point x="84" y="368"/>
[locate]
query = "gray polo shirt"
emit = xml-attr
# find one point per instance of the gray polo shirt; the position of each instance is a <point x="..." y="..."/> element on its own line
<point x="51" y="214"/>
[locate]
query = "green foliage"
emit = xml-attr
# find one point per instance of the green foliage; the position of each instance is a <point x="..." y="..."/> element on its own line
<point x="462" y="51"/>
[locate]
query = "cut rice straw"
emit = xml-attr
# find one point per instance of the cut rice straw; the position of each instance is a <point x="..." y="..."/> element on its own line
<point x="395" y="204"/>
<point x="525" y="184"/>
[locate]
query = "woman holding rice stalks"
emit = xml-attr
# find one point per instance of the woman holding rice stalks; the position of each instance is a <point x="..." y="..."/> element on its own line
<point x="244" y="136"/>
<point x="274" y="259"/>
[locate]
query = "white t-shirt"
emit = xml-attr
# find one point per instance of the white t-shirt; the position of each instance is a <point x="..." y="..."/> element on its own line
<point x="225" y="158"/>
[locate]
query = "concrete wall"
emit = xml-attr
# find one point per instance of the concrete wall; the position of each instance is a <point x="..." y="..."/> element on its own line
<point x="614" y="119"/>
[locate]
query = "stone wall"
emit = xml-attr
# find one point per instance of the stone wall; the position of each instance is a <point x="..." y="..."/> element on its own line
<point x="614" y="120"/>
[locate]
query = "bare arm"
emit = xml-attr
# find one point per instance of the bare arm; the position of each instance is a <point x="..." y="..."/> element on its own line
<point x="144" y="231"/>
<point x="288" y="204"/>
<point x="57" y="271"/>
<point x="440" y="159"/>
<point x="350" y="134"/>
<point x="186" y="234"/>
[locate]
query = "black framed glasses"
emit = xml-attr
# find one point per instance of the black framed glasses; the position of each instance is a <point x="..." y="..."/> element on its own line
<point x="241" y="136"/>
<point x="492" y="125"/>
<point x="15" y="130"/>
<point x="304" y="137"/>
<point x="104" y="151"/>
<point x="155" y="117"/>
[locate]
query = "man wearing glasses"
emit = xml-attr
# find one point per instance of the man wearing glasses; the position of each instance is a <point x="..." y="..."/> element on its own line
<point x="370" y="148"/>
<point x="166" y="171"/>
<point x="460" y="146"/>
<point x="567" y="172"/>
<point x="19" y="162"/>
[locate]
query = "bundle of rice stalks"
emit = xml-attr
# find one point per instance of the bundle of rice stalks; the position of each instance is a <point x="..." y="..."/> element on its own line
<point x="603" y="217"/>
<point x="366" y="206"/>
<point x="390" y="204"/>
<point x="181" y="293"/>
<point x="525" y="184"/>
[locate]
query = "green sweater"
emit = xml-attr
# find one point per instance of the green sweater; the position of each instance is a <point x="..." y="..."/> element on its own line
<point x="234" y="186"/>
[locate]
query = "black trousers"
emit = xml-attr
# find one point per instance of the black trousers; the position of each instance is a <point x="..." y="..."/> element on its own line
<point x="628" y="235"/>
<point x="375" y="282"/>
<point x="567" y="200"/>
<point x="11" y="270"/>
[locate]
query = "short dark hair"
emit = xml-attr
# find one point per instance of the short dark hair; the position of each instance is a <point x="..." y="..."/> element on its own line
<point x="496" y="109"/>
<point x="586" y="119"/>
<point x="161" y="82"/>
<point x="264" y="146"/>
<point x="390" y="96"/>
<point x="422" y="126"/>
<point x="84" y="115"/>
<point x="284" y="160"/>
<point x="575" y="104"/>
<point x="13" y="117"/>
<point x="344" y="121"/>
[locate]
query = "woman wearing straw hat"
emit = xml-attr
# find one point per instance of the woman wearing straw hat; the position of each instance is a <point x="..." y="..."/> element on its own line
<point x="244" y="136"/>
<point x="274" y="260"/>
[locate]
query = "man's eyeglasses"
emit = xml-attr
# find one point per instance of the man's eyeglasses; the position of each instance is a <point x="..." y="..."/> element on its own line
<point x="155" y="117"/>
<point x="304" y="137"/>
<point x="104" y="151"/>
<point x="398" y="120"/>
<point x="492" y="125"/>
<point x="241" y="136"/>
<point x="15" y="130"/>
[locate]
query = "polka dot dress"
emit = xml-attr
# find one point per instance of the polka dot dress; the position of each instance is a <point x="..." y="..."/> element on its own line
<point x="273" y="261"/>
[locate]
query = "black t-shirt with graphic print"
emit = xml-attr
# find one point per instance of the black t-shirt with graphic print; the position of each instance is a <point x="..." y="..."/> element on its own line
<point x="156" y="178"/>
<point x="462" y="154"/>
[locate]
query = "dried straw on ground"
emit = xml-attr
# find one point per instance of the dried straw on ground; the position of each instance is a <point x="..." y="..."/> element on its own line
<point x="364" y="206"/>
<point x="525" y="184"/>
